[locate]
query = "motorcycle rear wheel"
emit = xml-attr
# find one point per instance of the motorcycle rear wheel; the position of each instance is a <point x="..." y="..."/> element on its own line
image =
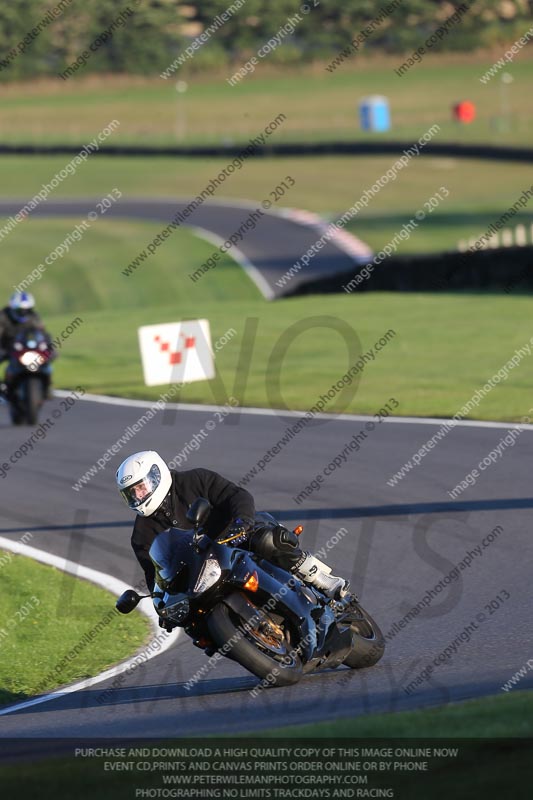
<point x="368" y="643"/>
<point x="251" y="651"/>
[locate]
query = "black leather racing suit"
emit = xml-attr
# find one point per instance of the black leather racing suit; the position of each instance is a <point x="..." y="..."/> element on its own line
<point x="9" y="328"/>
<point x="229" y="502"/>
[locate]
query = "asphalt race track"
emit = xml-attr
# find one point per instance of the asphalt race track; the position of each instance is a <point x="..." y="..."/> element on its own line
<point x="267" y="251"/>
<point x="399" y="543"/>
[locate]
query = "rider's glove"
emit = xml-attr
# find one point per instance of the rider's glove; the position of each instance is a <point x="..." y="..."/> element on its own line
<point x="238" y="532"/>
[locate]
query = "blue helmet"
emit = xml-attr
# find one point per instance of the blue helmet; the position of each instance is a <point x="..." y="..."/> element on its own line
<point x="20" y="304"/>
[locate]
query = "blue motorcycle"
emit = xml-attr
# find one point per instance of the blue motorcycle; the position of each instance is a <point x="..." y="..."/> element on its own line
<point x="233" y="603"/>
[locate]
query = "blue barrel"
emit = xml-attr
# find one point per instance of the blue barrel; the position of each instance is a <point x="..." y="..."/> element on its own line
<point x="374" y="113"/>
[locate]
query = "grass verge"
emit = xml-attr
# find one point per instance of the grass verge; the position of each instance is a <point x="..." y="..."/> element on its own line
<point x="57" y="629"/>
<point x="505" y="716"/>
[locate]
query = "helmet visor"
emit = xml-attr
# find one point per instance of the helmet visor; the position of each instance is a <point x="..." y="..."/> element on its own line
<point x="143" y="489"/>
<point x="20" y="314"/>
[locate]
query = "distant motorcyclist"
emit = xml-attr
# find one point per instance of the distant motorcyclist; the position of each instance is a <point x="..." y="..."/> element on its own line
<point x="161" y="497"/>
<point x="19" y="315"/>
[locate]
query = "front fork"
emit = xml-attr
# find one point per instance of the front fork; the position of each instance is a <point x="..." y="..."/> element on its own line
<point x="13" y="379"/>
<point x="281" y="596"/>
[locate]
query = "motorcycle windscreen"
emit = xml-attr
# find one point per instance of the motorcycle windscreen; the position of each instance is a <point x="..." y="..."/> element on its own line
<point x="32" y="338"/>
<point x="172" y="556"/>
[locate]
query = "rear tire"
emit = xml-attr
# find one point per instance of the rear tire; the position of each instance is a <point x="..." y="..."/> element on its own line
<point x="33" y="400"/>
<point x="368" y="643"/>
<point x="224" y="626"/>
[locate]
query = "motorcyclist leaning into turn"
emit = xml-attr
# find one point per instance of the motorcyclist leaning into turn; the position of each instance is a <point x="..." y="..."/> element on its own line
<point x="19" y="315"/>
<point x="161" y="497"/>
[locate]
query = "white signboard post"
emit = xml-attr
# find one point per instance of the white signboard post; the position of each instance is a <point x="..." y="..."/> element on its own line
<point x="176" y="352"/>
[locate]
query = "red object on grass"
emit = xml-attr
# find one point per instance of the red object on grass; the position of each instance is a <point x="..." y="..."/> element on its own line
<point x="465" y="111"/>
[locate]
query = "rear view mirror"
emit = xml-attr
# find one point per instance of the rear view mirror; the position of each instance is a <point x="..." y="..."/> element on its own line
<point x="199" y="511"/>
<point x="127" y="601"/>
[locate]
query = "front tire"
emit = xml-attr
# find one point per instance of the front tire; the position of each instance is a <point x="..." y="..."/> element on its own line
<point x="16" y="415"/>
<point x="226" y="627"/>
<point x="368" y="643"/>
<point x="33" y="400"/>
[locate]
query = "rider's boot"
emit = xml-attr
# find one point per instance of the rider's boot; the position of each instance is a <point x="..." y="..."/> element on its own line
<point x="7" y="389"/>
<point x="317" y="574"/>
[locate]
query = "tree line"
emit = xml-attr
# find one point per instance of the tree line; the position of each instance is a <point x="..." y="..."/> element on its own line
<point x="145" y="36"/>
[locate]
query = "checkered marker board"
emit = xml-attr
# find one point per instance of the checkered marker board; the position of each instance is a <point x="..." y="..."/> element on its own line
<point x="176" y="352"/>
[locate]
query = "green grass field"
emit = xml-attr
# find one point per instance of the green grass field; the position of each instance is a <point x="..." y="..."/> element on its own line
<point x="445" y="347"/>
<point x="319" y="105"/>
<point x="45" y="615"/>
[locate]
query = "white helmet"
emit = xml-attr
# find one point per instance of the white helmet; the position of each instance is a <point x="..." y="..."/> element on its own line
<point x="19" y="304"/>
<point x="144" y="481"/>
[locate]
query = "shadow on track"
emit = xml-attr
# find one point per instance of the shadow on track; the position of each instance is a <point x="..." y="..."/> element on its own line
<point x="320" y="513"/>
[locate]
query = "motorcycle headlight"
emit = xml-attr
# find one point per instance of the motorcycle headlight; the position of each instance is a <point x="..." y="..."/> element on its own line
<point x="177" y="612"/>
<point x="209" y="575"/>
<point x="31" y="360"/>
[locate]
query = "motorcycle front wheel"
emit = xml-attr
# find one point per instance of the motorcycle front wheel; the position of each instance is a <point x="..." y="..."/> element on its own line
<point x="33" y="399"/>
<point x="368" y="643"/>
<point x="259" y="649"/>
